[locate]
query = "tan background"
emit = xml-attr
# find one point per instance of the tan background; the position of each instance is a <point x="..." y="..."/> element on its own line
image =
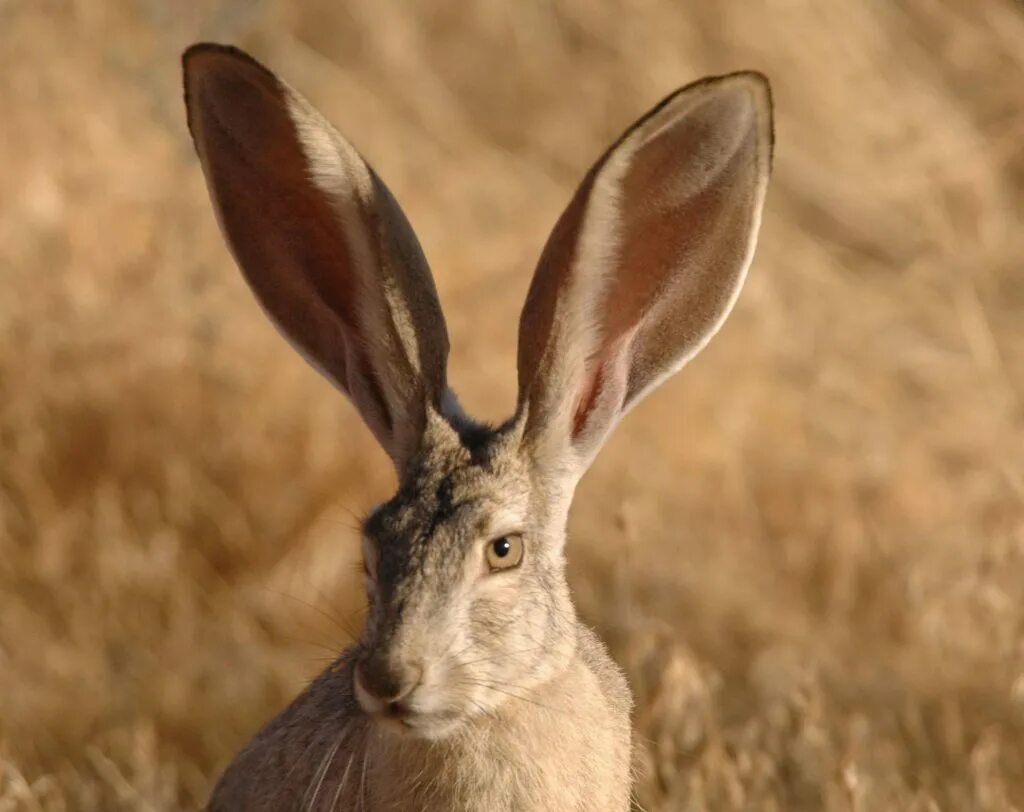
<point x="807" y="549"/>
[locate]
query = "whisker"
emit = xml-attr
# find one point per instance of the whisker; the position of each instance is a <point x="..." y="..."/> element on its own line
<point x="344" y="780"/>
<point x="313" y="644"/>
<point x="326" y="768"/>
<point x="500" y="656"/>
<point x="418" y="778"/>
<point x="302" y="757"/>
<point x="362" y="782"/>
<point x="359" y="610"/>
<point x="636" y="801"/>
<point x="461" y="651"/>
<point x="320" y="610"/>
<point x="492" y="687"/>
<point x="316" y="774"/>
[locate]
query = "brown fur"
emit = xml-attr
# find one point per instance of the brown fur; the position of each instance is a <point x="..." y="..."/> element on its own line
<point x="473" y="687"/>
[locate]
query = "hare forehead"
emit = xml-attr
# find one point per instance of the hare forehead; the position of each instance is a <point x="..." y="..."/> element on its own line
<point x="425" y="533"/>
<point x="451" y="496"/>
<point x="456" y="506"/>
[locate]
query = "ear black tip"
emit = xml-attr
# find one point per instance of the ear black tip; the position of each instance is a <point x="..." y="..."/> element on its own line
<point x="761" y="89"/>
<point x="216" y="55"/>
<point x="212" y="69"/>
<point x="191" y="55"/>
<point x="207" y="48"/>
<point x="756" y="76"/>
<point x="754" y="79"/>
<point x="761" y="81"/>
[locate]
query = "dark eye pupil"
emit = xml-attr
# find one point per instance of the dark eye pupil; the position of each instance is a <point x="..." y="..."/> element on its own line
<point x="502" y="547"/>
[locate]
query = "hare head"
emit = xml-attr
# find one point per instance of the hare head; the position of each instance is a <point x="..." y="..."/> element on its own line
<point x="464" y="565"/>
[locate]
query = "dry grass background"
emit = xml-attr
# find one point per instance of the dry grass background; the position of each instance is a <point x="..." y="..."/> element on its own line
<point x="807" y="550"/>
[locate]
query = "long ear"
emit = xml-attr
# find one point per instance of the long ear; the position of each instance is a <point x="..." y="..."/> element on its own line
<point x="321" y="241"/>
<point x="644" y="265"/>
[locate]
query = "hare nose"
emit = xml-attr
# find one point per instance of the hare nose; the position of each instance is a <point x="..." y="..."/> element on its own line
<point x="386" y="682"/>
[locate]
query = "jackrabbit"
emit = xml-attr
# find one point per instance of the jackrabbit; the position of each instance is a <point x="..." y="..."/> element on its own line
<point x="474" y="685"/>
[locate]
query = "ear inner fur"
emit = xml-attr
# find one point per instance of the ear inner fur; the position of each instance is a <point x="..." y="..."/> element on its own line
<point x="542" y="712"/>
<point x="321" y="241"/>
<point x="644" y="264"/>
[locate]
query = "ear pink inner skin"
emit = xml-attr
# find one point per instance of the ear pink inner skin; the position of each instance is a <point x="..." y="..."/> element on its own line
<point x="291" y="239"/>
<point x="674" y="198"/>
<point x="588" y="398"/>
<point x="281" y="228"/>
<point x="322" y="243"/>
<point x="685" y="205"/>
<point x="668" y="243"/>
<point x="678" y="194"/>
<point x="548" y="284"/>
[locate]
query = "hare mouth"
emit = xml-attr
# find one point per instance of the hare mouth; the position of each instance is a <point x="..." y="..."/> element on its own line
<point x="423" y="725"/>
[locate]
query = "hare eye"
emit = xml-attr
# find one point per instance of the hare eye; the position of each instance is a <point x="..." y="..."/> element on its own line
<point x="505" y="552"/>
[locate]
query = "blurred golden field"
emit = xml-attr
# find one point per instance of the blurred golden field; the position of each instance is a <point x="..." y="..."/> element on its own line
<point x="807" y="549"/>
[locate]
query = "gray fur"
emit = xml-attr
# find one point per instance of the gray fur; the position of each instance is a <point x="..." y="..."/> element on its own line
<point x="473" y="688"/>
<point x="553" y="680"/>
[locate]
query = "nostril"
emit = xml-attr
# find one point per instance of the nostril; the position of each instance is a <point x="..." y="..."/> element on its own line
<point x="378" y="679"/>
<point x="361" y="683"/>
<point x="387" y="684"/>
